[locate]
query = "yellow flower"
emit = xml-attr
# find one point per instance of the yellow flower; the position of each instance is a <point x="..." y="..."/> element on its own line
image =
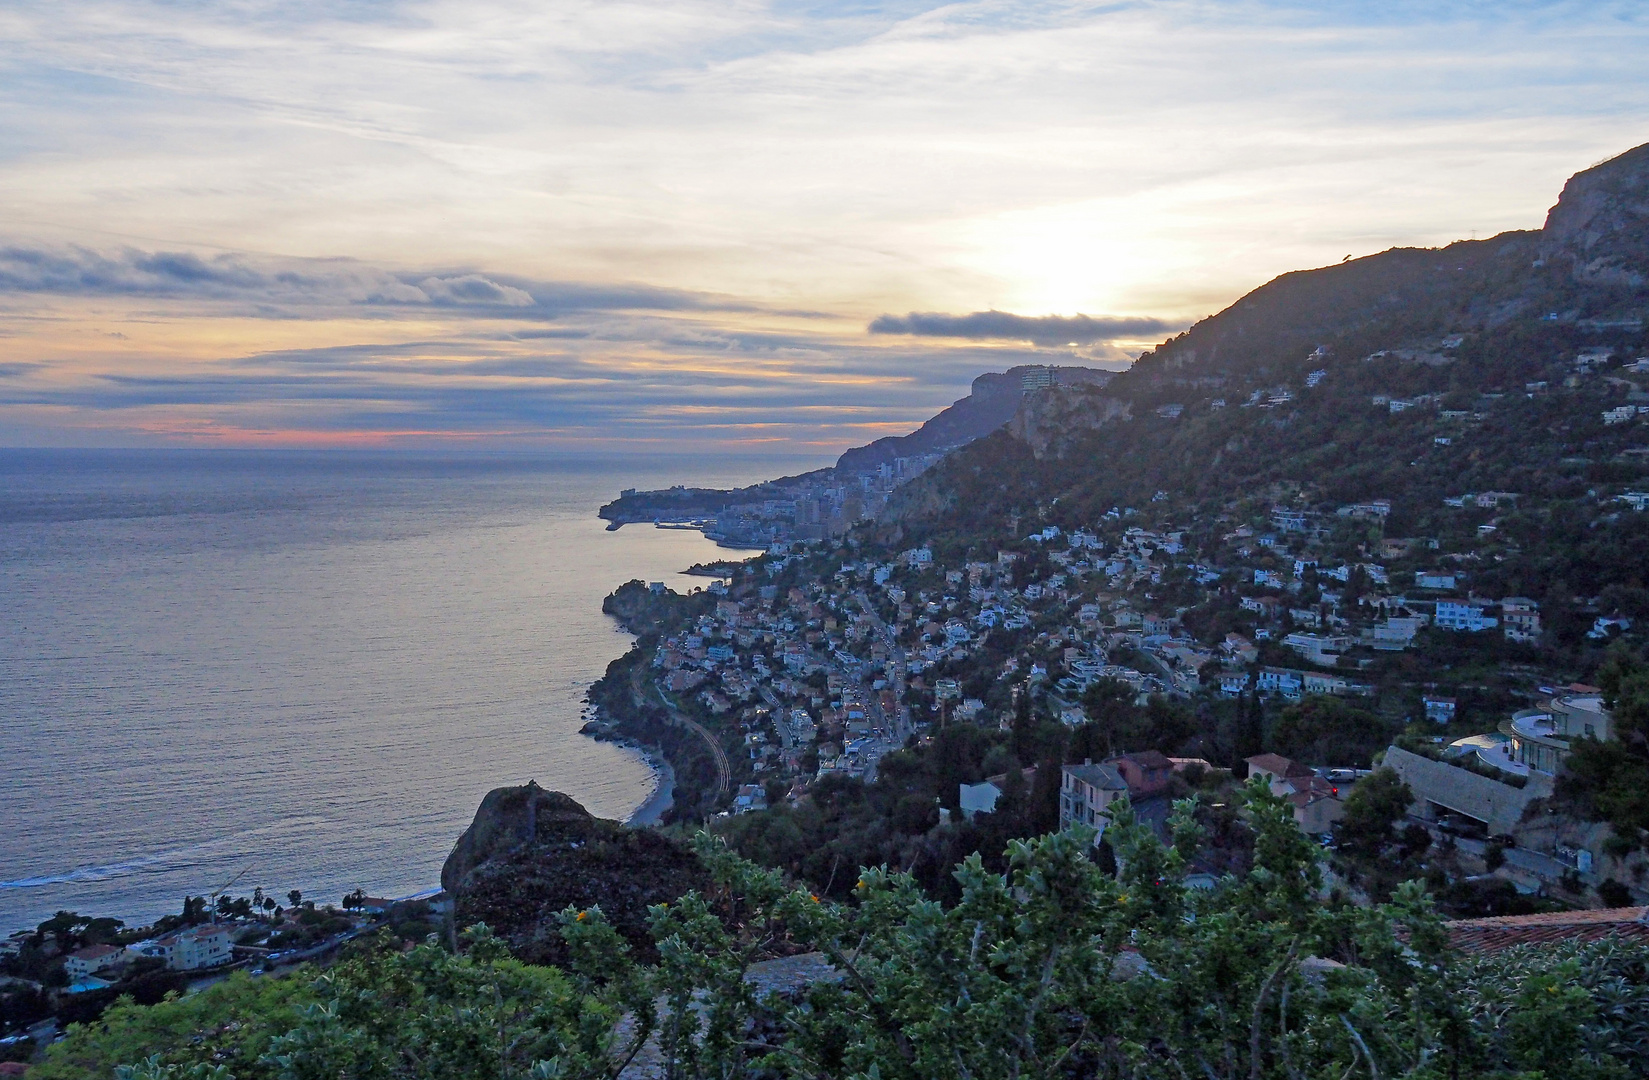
<point x="814" y="896"/>
<point x="582" y="915"/>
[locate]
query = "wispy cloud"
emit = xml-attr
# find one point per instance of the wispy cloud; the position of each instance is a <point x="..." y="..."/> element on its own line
<point x="313" y="286"/>
<point x="615" y="219"/>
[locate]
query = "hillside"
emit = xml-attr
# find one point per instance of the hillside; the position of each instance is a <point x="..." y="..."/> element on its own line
<point x="827" y="502"/>
<point x="531" y="853"/>
<point x="1410" y="375"/>
<point x="991" y="402"/>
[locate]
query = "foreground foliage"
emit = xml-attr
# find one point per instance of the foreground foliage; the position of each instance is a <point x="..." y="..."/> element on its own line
<point x="1053" y="969"/>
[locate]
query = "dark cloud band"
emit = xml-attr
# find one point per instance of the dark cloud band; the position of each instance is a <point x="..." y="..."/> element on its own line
<point x="1041" y="330"/>
<point x="290" y="287"/>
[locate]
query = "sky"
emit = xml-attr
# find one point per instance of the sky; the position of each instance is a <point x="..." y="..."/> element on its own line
<point x="765" y="227"/>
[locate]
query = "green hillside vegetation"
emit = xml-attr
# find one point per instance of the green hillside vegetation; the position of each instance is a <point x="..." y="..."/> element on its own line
<point x="1052" y="968"/>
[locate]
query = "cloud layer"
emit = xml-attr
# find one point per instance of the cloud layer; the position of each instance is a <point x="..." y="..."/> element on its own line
<point x="1001" y="325"/>
<point x="674" y="219"/>
<point x="308" y="286"/>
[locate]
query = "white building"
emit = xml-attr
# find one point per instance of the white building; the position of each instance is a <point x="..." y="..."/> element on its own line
<point x="1464" y="615"/>
<point x="1520" y="617"/>
<point x="1086" y="792"/>
<point x="1438" y="709"/>
<point x="1397" y="633"/>
<point x="86" y="962"/>
<point x="192" y="949"/>
<point x="1285" y="681"/>
<point x="1318" y="648"/>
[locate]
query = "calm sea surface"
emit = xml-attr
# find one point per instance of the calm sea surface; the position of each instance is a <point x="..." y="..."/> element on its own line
<point x="308" y="667"/>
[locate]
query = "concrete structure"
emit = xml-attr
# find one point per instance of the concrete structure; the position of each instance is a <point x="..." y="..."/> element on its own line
<point x="1440" y="788"/>
<point x="1541" y="738"/>
<point x="1086" y="791"/>
<point x="1397" y="633"/>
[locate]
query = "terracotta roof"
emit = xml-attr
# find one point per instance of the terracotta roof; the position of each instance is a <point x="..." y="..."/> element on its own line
<point x="1001" y="779"/>
<point x="1277" y="765"/>
<point x="96" y="952"/>
<point x="1311" y="785"/>
<point x="1146" y="759"/>
<point x="1505" y="931"/>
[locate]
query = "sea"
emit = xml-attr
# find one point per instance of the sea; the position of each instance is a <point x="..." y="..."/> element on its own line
<point x="303" y="670"/>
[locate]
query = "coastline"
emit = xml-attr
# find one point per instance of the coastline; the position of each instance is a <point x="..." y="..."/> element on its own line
<point x="651" y="812"/>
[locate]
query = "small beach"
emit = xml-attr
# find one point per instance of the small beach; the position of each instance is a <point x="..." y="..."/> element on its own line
<point x="652" y="811"/>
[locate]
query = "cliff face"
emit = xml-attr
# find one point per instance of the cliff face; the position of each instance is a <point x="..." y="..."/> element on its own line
<point x="530" y="853"/>
<point x="1047" y="420"/>
<point x="991" y="402"/>
<point x="508" y="818"/>
<point x="1600" y="225"/>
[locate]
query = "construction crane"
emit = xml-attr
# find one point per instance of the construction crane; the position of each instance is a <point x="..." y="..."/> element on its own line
<point x="225" y="887"/>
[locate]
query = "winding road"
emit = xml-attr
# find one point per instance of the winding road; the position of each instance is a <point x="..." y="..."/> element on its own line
<point x="724" y="768"/>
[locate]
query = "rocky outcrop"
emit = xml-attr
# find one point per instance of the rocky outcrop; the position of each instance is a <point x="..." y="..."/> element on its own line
<point x="1046" y="420"/>
<point x="1601" y="222"/>
<point x="531" y="853"/>
<point x="991" y="402"/>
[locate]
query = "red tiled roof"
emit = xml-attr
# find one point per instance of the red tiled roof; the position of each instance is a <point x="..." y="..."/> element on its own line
<point x="1147" y="759"/>
<point x="96" y="952"/>
<point x="1503" y="932"/>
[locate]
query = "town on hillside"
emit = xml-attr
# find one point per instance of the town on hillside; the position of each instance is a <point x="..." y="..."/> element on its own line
<point x="1177" y="645"/>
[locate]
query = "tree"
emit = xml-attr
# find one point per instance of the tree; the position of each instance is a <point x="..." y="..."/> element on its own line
<point x="1373" y="809"/>
<point x="296" y="897"/>
<point x="1109" y="704"/>
<point x="64" y="928"/>
<point x="1250" y="728"/>
<point x="1609" y="781"/>
<point x="1053" y="968"/>
<point x="1328" y="731"/>
<point x="430" y="1015"/>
